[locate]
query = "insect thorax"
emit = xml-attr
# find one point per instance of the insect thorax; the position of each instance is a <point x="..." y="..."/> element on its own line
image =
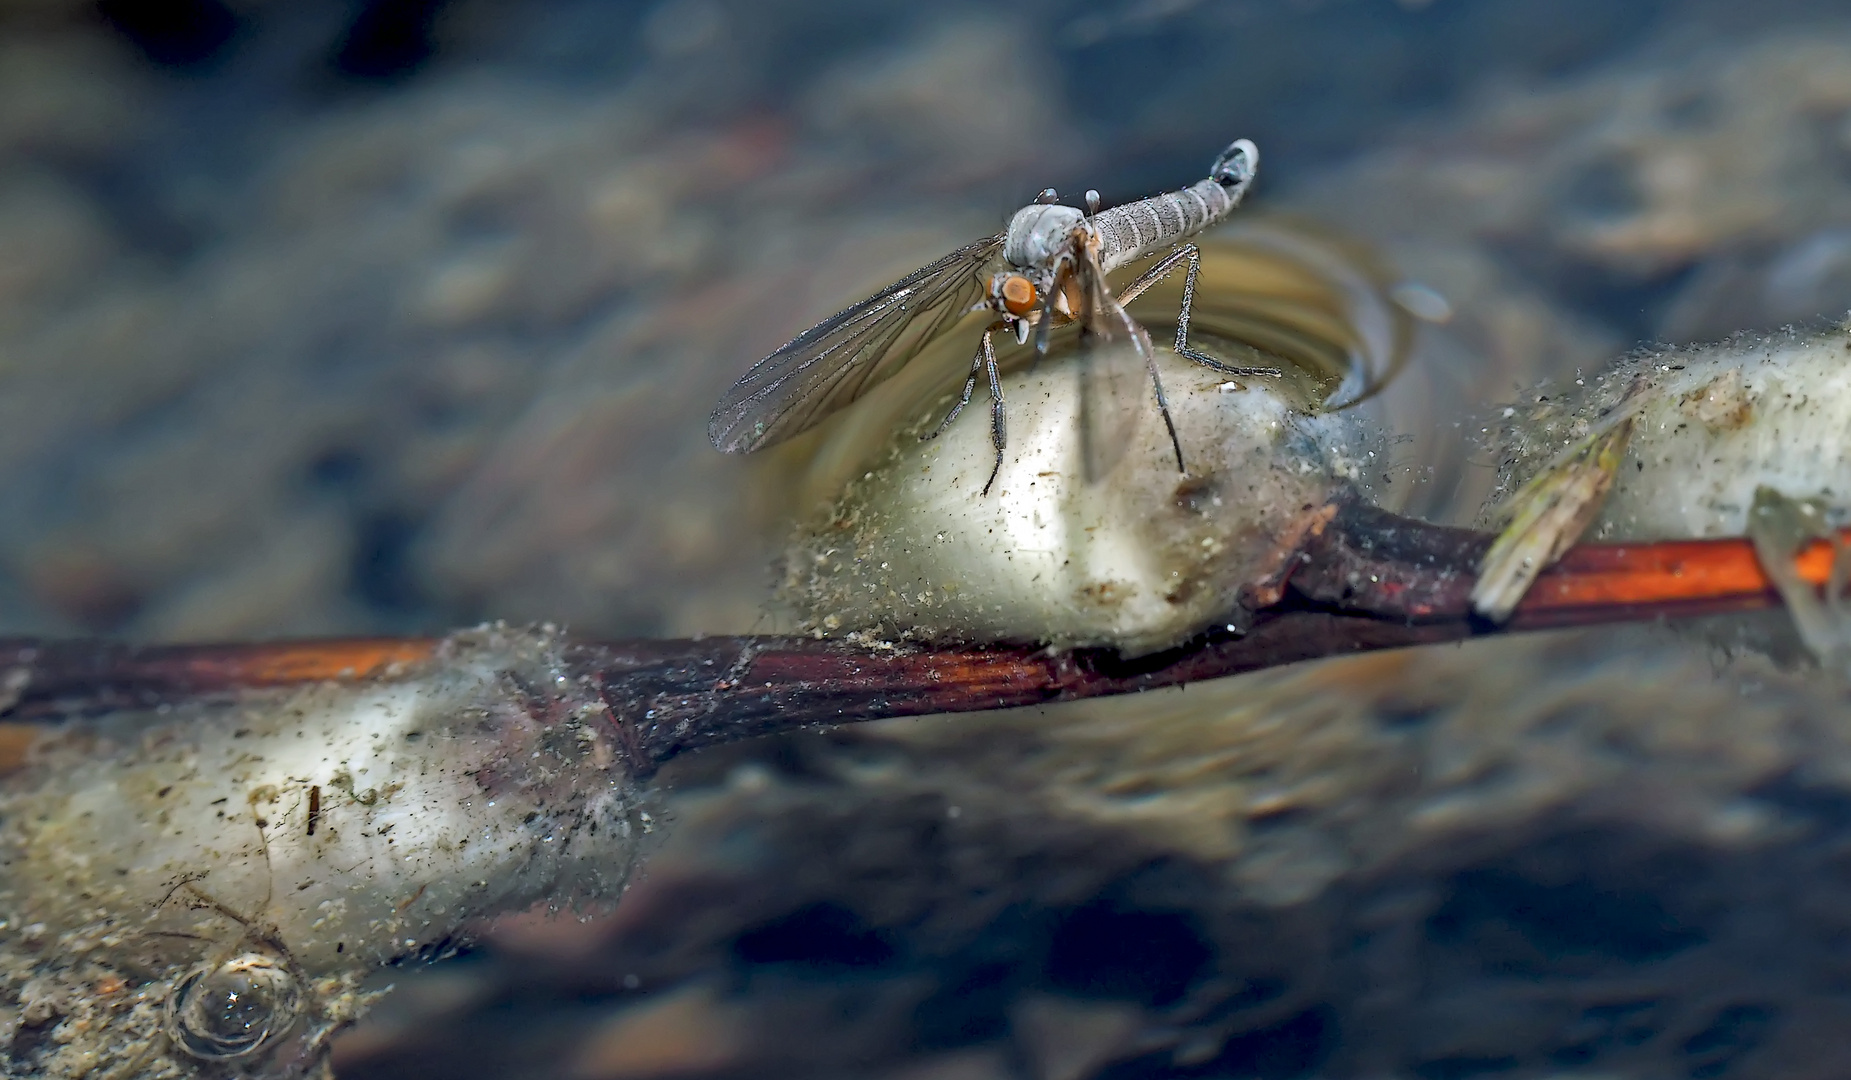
<point x="1039" y="233"/>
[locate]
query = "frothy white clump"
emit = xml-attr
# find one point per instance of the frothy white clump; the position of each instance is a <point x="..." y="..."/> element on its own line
<point x="1712" y="424"/>
<point x="1140" y="558"/>
<point x="324" y="831"/>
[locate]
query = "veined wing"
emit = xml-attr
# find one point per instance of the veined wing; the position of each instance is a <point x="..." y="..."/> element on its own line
<point x="846" y="355"/>
<point x="1112" y="376"/>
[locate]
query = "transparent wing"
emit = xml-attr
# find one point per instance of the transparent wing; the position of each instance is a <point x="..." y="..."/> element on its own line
<point x="1112" y="374"/>
<point x="846" y="355"/>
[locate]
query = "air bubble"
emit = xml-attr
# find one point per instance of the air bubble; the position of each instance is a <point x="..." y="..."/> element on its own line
<point x="231" y="1009"/>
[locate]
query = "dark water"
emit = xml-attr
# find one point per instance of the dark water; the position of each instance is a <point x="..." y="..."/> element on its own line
<point x="382" y="317"/>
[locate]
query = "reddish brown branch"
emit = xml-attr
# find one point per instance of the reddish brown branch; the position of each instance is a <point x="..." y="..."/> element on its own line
<point x="46" y="675"/>
<point x="1359" y="579"/>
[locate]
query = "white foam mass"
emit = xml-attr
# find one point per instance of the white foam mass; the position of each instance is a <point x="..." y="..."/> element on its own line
<point x="330" y="828"/>
<point x="1712" y="424"/>
<point x="1140" y="558"/>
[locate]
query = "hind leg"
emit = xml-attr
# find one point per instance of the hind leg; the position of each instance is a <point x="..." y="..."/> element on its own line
<point x="1163" y="268"/>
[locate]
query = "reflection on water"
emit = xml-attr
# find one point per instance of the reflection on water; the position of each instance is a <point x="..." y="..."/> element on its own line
<point x="329" y="317"/>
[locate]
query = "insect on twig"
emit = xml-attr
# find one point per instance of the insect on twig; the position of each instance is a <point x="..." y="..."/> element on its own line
<point x="1047" y="268"/>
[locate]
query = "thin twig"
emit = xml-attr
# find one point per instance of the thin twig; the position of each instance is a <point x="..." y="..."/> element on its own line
<point x="1355" y="579"/>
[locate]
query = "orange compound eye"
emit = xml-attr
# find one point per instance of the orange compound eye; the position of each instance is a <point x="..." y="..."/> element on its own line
<point x="1018" y="294"/>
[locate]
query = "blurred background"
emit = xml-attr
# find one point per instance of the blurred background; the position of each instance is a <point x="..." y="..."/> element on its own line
<point x="336" y="316"/>
<point x="332" y="316"/>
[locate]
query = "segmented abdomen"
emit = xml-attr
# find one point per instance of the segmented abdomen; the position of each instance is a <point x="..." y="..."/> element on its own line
<point x="1134" y="230"/>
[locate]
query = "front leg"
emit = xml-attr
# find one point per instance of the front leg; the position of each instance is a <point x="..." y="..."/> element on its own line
<point x="984" y="363"/>
<point x="1157" y="273"/>
<point x="998" y="433"/>
<point x="970" y="384"/>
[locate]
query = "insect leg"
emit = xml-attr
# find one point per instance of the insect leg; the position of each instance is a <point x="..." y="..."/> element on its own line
<point x="1158" y="271"/>
<point x="1046" y="321"/>
<point x="1140" y="340"/>
<point x="998" y="437"/>
<point x="1194" y="256"/>
<point x="970" y="387"/>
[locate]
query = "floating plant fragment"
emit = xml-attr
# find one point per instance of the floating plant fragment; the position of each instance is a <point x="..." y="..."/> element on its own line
<point x="1781" y="527"/>
<point x="1547" y="516"/>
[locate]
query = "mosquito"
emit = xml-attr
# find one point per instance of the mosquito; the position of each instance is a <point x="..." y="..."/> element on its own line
<point x="1053" y="265"/>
